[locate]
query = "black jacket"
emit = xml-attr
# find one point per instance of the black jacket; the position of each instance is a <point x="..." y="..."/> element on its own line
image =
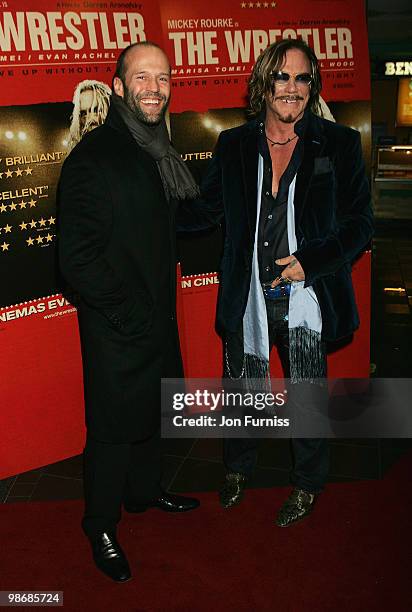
<point x="333" y="218"/>
<point x="117" y="251"/>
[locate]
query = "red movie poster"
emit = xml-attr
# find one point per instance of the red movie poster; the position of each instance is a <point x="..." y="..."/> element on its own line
<point x="56" y="59"/>
<point x="214" y="45"/>
<point x="48" y="46"/>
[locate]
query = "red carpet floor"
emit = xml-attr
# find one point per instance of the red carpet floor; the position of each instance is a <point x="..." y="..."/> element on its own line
<point x="353" y="554"/>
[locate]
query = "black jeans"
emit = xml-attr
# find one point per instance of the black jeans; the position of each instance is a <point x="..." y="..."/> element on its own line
<point x="311" y="455"/>
<point x="115" y="473"/>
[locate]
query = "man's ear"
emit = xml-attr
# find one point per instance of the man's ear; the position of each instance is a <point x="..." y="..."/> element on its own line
<point x="118" y="87"/>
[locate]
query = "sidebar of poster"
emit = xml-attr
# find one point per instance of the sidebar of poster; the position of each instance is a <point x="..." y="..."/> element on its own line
<point x="56" y="59"/>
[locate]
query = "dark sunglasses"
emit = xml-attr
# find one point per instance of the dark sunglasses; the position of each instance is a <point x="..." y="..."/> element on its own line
<point x="282" y="78"/>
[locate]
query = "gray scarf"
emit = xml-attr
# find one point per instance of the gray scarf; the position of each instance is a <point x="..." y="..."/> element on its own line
<point x="177" y="180"/>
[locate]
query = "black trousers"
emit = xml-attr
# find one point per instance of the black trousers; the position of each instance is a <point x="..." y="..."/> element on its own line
<point x="115" y="473"/>
<point x="310" y="455"/>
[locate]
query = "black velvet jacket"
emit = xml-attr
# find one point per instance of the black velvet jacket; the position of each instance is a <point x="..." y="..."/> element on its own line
<point x="333" y="218"/>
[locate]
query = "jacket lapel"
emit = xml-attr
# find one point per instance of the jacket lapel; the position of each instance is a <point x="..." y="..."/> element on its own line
<point x="314" y="143"/>
<point x="249" y="160"/>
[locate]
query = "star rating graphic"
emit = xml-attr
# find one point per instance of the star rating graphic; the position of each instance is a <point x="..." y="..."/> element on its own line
<point x="3" y="208"/>
<point x="40" y="240"/>
<point x="32" y="203"/>
<point x="257" y="5"/>
<point x="13" y="206"/>
<point x="8" y="228"/>
<point x="5" y="246"/>
<point x="18" y="172"/>
<point x="24" y="225"/>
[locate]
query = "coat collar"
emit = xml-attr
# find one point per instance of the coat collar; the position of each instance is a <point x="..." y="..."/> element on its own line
<point x="313" y="146"/>
<point x="249" y="160"/>
<point x="115" y="121"/>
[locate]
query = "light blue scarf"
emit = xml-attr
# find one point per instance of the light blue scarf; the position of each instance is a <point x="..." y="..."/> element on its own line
<point x="305" y="322"/>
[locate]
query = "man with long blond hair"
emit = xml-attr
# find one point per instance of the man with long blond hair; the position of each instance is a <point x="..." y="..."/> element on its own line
<point x="91" y="101"/>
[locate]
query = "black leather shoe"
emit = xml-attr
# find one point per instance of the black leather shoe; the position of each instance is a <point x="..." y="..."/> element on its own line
<point x="109" y="557"/>
<point x="231" y="494"/>
<point x="298" y="505"/>
<point x="166" y="502"/>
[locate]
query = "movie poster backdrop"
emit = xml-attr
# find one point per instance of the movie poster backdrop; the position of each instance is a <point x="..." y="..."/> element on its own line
<point x="48" y="50"/>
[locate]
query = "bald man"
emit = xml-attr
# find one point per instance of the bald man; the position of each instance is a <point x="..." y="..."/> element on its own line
<point x="117" y="197"/>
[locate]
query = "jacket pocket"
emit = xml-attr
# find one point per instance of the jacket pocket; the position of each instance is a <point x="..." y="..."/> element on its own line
<point x="323" y="180"/>
<point x="139" y="319"/>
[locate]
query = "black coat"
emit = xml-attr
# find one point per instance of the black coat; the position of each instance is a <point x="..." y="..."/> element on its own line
<point x="333" y="218"/>
<point x="117" y="251"/>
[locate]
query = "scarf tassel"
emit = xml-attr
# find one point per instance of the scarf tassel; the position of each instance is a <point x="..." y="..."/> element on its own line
<point x="307" y="355"/>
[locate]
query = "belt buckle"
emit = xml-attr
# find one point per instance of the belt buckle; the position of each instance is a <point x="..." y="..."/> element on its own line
<point x="275" y="293"/>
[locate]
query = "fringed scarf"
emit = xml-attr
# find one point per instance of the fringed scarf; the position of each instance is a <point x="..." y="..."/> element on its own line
<point x="307" y="362"/>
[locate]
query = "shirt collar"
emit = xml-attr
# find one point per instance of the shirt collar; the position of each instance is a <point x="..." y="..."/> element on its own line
<point x="300" y="126"/>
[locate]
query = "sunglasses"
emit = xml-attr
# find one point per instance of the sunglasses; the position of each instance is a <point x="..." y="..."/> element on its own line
<point x="303" y="79"/>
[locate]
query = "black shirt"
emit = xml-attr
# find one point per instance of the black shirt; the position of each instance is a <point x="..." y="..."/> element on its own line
<point x="272" y="234"/>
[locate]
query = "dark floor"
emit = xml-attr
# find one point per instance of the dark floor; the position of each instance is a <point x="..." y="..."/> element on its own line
<point x="195" y="465"/>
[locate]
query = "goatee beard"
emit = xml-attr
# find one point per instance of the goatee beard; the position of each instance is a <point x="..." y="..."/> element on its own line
<point x="287" y="119"/>
<point x="133" y="104"/>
